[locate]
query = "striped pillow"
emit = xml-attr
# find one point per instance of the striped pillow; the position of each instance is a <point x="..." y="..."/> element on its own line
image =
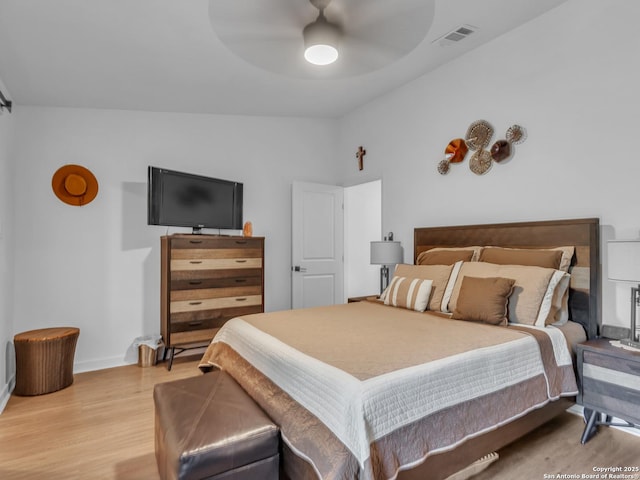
<point x="411" y="293"/>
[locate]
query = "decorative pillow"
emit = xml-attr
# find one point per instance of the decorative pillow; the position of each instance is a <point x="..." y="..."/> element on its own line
<point x="410" y="293"/>
<point x="558" y="258"/>
<point x="524" y="256"/>
<point x="444" y="257"/>
<point x="439" y="274"/>
<point x="484" y="300"/>
<point x="526" y="304"/>
<point x="555" y="305"/>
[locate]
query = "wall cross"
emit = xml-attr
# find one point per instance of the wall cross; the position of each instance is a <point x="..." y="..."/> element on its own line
<point x="360" y="156"/>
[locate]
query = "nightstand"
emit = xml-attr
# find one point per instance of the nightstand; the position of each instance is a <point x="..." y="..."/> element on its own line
<point x="609" y="384"/>
<point x="361" y="299"/>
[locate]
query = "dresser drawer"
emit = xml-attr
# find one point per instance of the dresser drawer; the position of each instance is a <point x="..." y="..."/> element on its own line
<point x="214" y="303"/>
<point x="193" y="336"/>
<point x="214" y="243"/>
<point x="201" y="253"/>
<point x="214" y="293"/>
<point x="205" y="319"/>
<point x="190" y="279"/>
<point x="216" y="264"/>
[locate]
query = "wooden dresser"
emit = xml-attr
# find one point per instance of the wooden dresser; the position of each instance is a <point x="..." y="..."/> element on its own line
<point x="205" y="281"/>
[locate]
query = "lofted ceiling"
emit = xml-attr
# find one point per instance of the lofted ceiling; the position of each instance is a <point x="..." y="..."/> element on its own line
<point x="164" y="55"/>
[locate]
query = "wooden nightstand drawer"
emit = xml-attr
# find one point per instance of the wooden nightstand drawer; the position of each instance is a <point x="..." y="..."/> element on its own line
<point x="612" y="363"/>
<point x="617" y="395"/>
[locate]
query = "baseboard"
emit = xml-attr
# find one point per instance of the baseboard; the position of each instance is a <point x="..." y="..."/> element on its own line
<point x="578" y="410"/>
<point x="6" y="392"/>
<point x="99" y="364"/>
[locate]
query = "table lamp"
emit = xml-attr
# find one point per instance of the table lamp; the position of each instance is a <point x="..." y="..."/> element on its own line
<point x="385" y="253"/>
<point x="624" y="266"/>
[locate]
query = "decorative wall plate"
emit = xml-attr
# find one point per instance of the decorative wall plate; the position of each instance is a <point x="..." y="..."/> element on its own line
<point x="457" y="150"/>
<point x="501" y="150"/>
<point x="479" y="135"/>
<point x="443" y="166"/>
<point x="480" y="162"/>
<point x="516" y="134"/>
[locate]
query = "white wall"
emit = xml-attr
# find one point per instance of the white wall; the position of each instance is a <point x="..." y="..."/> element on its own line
<point x="7" y="356"/>
<point x="570" y="77"/>
<point x="97" y="266"/>
<point x="362" y="224"/>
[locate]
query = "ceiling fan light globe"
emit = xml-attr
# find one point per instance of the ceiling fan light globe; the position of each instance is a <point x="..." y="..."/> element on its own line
<point x="321" y="54"/>
<point x="321" y="41"/>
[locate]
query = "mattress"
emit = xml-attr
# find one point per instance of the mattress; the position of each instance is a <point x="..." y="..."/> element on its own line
<point x="365" y="390"/>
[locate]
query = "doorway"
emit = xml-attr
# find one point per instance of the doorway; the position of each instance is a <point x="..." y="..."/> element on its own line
<point x="362" y="224"/>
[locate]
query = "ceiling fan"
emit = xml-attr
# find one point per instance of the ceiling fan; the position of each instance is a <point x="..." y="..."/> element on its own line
<point x="359" y="36"/>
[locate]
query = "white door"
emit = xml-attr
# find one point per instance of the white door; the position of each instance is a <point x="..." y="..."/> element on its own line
<point x="317" y="245"/>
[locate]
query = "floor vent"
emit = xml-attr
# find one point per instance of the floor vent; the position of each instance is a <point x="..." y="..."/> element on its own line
<point x="455" y="36"/>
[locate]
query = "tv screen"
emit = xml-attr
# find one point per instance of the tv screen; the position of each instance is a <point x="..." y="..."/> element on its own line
<point x="186" y="200"/>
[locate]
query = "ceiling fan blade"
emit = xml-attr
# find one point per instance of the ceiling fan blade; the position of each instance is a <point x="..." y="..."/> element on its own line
<point x="269" y="34"/>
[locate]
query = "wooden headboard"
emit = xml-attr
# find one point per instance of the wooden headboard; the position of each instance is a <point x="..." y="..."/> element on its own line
<point x="583" y="234"/>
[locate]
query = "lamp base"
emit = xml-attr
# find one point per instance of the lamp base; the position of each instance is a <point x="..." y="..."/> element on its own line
<point x="384" y="278"/>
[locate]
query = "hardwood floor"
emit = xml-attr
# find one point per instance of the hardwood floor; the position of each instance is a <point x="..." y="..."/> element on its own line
<point x="101" y="427"/>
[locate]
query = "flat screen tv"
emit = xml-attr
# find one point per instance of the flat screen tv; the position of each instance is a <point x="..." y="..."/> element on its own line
<point x="186" y="200"/>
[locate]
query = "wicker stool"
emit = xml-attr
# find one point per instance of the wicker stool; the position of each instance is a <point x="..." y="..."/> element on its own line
<point x="44" y="360"/>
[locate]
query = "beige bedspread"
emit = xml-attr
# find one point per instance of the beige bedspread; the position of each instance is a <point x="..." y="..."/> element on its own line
<point x="363" y="390"/>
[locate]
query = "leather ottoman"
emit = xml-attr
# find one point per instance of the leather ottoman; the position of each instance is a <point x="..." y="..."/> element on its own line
<point x="207" y="427"/>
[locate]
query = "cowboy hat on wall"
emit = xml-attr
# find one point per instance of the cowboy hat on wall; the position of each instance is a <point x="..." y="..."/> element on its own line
<point x="74" y="185"/>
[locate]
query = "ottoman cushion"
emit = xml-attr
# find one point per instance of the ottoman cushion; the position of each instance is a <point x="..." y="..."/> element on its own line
<point x="207" y="426"/>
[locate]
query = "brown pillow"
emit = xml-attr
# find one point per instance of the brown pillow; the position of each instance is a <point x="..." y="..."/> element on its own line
<point x="484" y="300"/>
<point x="444" y="257"/>
<point x="522" y="256"/>
<point x="529" y="291"/>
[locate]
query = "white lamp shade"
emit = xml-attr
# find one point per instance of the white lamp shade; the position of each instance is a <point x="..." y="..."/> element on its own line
<point x="624" y="260"/>
<point x="386" y="253"/>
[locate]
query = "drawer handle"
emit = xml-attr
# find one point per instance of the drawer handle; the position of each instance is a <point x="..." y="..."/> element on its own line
<point x="195" y="303"/>
<point x="195" y="262"/>
<point x="195" y="324"/>
<point x="241" y="242"/>
<point x="241" y="280"/>
<point x="195" y="282"/>
<point x="195" y="241"/>
<point x="241" y="299"/>
<point x="241" y="261"/>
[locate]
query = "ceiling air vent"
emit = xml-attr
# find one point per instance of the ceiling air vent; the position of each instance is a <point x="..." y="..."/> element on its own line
<point x="455" y="36"/>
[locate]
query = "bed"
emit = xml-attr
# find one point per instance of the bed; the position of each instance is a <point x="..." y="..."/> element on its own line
<point x="379" y="389"/>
